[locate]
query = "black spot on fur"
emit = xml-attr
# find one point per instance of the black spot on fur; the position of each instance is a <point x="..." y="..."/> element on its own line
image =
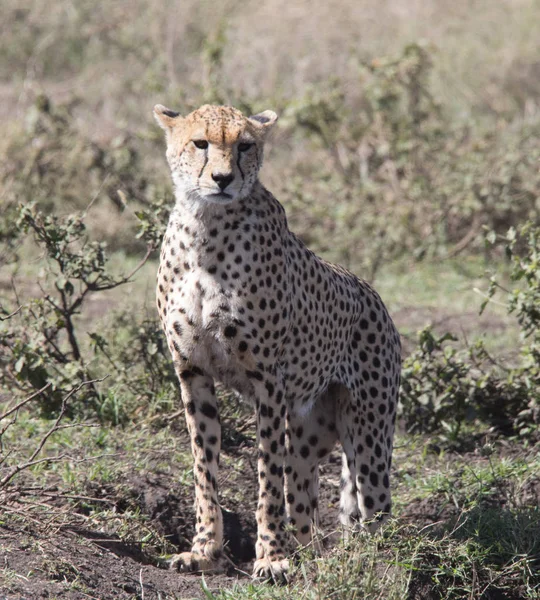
<point x="208" y="410"/>
<point x="230" y="331"/>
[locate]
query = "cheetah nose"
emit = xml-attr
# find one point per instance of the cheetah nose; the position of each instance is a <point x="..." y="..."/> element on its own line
<point x="222" y="180"/>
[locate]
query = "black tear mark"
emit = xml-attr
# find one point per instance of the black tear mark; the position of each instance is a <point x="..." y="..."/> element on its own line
<point x="171" y="113"/>
<point x="239" y="167"/>
<point x="205" y="153"/>
<point x="205" y="163"/>
<point x="241" y="172"/>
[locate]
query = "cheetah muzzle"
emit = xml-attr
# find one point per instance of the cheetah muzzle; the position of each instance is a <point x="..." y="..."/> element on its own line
<point x="244" y="302"/>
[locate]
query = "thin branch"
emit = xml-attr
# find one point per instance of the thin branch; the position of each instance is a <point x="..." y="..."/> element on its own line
<point x="96" y="287"/>
<point x="4" y="429"/>
<point x="22" y="513"/>
<point x="32" y="461"/>
<point x="49" y="494"/>
<point x="141" y="583"/>
<point x="4" y="458"/>
<point x="12" y="281"/>
<point x="96" y="457"/>
<point x="56" y="352"/>
<point x="70" y="329"/>
<point x="23" y="402"/>
<point x="85" y="211"/>
<point x="125" y="278"/>
<point x="501" y="287"/>
<point x="11" y="314"/>
<point x="467" y="238"/>
<point x="55" y="426"/>
<point x="49" y="459"/>
<point x="76" y="303"/>
<point x="488" y="298"/>
<point x="170" y="417"/>
<point x="50" y="300"/>
<point x="72" y="425"/>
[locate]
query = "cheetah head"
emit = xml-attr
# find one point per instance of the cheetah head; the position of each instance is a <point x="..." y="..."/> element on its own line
<point x="215" y="152"/>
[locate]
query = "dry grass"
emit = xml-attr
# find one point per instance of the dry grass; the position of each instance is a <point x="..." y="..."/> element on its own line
<point x="117" y="59"/>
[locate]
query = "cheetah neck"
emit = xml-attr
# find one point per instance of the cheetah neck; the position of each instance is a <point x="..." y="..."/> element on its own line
<point x="190" y="202"/>
<point x="203" y="238"/>
<point x="198" y="214"/>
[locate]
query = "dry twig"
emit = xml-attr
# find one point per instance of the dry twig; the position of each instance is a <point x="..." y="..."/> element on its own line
<point x="33" y="460"/>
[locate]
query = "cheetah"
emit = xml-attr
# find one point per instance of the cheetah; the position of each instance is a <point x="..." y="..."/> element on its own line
<point x="244" y="302"/>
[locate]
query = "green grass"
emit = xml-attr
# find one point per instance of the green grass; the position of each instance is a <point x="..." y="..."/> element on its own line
<point x="445" y="285"/>
<point x="488" y="542"/>
<point x="448" y="295"/>
<point x="415" y="562"/>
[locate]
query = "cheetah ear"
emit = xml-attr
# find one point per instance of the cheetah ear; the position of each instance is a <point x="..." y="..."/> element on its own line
<point x="165" y="117"/>
<point x="264" y="121"/>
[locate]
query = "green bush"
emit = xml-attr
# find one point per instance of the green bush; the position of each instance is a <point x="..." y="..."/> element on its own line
<point x="444" y="389"/>
<point x="407" y="178"/>
<point x="44" y="341"/>
<point x="365" y="177"/>
<point x="50" y="163"/>
<point x="523" y="249"/>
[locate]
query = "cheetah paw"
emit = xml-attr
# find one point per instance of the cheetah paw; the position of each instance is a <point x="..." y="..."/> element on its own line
<point x="192" y="562"/>
<point x="276" y="570"/>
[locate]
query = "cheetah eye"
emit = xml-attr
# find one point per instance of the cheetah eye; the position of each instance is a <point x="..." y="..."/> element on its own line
<point x="201" y="144"/>
<point x="244" y="146"/>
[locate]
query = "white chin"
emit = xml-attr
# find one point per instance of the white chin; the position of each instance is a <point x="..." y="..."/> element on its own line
<point x="223" y="198"/>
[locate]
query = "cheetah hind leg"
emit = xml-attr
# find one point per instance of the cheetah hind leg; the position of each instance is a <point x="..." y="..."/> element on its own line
<point x="365" y="489"/>
<point x="349" y="514"/>
<point x="309" y="440"/>
<point x="273" y="570"/>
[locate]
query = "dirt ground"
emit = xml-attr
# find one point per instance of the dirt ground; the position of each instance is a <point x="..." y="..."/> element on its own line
<point x="69" y="560"/>
<point x="72" y="562"/>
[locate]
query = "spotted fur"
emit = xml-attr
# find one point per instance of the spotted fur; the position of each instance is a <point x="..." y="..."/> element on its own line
<point x="244" y="302"/>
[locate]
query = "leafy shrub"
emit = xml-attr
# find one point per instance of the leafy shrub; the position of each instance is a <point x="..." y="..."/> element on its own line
<point x="53" y="165"/>
<point x="142" y="375"/>
<point x="523" y="249"/>
<point x="52" y="350"/>
<point x="444" y="388"/>
<point x="408" y="179"/>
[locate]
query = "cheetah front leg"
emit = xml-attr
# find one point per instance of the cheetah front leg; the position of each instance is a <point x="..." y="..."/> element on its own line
<point x="198" y="396"/>
<point x="271" y="562"/>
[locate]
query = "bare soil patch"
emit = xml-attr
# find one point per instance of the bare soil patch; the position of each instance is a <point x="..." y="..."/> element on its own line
<point x="464" y="325"/>
<point x="73" y="561"/>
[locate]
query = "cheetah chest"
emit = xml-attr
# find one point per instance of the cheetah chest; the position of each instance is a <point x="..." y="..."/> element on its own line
<point x="198" y="311"/>
<point x="203" y="326"/>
